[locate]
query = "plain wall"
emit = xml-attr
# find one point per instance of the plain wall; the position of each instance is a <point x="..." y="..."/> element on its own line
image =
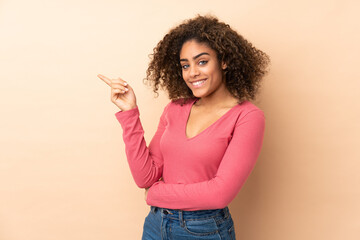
<point x="63" y="169"/>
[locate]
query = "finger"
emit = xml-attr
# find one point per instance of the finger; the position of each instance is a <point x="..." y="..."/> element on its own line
<point x="117" y="90"/>
<point x="118" y="86"/>
<point x="105" y="79"/>
<point x="120" y="81"/>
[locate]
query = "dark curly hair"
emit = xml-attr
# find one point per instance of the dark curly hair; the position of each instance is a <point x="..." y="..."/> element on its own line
<point x="246" y="65"/>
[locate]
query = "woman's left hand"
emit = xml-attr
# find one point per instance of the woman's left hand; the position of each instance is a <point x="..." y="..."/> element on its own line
<point x="147" y="189"/>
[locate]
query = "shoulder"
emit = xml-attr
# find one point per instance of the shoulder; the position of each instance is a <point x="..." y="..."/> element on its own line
<point x="183" y="101"/>
<point x="179" y="104"/>
<point x="247" y="107"/>
<point x="246" y="111"/>
<point x="175" y="108"/>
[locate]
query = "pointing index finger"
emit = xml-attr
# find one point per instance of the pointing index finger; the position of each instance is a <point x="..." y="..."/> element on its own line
<point x="105" y="79"/>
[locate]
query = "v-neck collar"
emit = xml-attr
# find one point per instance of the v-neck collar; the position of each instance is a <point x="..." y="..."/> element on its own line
<point x="187" y="116"/>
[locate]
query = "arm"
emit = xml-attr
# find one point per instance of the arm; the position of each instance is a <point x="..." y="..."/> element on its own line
<point x="146" y="163"/>
<point x="236" y="165"/>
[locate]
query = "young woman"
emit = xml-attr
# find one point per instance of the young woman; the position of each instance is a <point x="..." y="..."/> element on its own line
<point x="209" y="135"/>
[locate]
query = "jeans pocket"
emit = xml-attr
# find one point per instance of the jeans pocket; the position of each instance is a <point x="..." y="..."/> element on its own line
<point x="201" y="227"/>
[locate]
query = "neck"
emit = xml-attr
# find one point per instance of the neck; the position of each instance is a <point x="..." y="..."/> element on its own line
<point x="221" y="98"/>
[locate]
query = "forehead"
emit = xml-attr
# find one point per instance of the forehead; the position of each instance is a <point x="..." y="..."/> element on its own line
<point x="191" y="48"/>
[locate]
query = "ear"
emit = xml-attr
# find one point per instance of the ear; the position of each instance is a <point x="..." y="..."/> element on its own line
<point x="223" y="65"/>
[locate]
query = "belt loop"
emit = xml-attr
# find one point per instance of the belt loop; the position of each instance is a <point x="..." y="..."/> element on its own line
<point x="181" y="218"/>
<point x="226" y="212"/>
<point x="153" y="209"/>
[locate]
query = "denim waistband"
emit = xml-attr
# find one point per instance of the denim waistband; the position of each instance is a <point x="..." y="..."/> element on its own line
<point x="184" y="215"/>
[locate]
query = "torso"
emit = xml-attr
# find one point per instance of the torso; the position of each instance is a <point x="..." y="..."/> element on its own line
<point x="201" y="118"/>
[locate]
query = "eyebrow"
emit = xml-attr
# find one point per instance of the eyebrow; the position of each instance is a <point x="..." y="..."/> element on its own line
<point x="204" y="53"/>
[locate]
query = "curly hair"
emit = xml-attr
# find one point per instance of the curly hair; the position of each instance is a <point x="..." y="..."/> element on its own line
<point x="246" y="65"/>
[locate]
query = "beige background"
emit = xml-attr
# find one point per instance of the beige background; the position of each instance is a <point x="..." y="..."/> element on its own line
<point x="63" y="171"/>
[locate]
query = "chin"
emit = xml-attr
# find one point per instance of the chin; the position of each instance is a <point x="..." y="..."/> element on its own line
<point x="199" y="94"/>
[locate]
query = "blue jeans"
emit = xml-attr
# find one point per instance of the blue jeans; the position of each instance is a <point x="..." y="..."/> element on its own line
<point x="166" y="224"/>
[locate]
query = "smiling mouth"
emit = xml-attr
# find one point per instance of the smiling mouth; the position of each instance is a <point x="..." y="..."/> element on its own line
<point x="198" y="83"/>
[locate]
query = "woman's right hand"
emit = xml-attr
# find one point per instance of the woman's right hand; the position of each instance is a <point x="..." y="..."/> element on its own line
<point x="122" y="94"/>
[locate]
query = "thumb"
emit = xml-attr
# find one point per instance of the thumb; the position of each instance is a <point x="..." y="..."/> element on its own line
<point x="128" y="86"/>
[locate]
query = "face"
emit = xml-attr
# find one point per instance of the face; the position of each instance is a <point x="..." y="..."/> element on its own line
<point x="201" y="69"/>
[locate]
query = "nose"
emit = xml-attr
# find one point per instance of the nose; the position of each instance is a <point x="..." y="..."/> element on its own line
<point x="194" y="71"/>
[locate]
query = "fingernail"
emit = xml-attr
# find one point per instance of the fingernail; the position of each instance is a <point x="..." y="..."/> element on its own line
<point x="126" y="89"/>
<point x="125" y="83"/>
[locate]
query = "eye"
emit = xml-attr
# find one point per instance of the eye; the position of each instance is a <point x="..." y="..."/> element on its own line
<point x="203" y="62"/>
<point x="185" y="66"/>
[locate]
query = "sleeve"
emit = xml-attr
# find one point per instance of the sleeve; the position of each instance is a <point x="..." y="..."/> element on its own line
<point x="235" y="167"/>
<point x="146" y="163"/>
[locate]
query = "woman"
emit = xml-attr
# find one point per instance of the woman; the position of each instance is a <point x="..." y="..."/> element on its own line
<point x="209" y="136"/>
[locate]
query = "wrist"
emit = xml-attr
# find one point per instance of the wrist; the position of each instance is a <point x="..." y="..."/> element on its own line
<point x="128" y="108"/>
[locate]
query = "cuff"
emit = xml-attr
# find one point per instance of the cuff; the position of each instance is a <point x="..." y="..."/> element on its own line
<point x="123" y="116"/>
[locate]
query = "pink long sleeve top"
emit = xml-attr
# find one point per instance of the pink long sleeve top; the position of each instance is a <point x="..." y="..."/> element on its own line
<point x="202" y="172"/>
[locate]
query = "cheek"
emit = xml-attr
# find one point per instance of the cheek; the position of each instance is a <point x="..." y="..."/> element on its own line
<point x="210" y="70"/>
<point x="184" y="75"/>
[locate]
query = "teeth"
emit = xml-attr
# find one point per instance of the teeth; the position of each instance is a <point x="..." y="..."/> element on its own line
<point x="198" y="83"/>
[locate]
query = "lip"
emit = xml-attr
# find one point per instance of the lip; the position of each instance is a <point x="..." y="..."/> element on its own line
<point x="198" y="86"/>
<point x="204" y="79"/>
